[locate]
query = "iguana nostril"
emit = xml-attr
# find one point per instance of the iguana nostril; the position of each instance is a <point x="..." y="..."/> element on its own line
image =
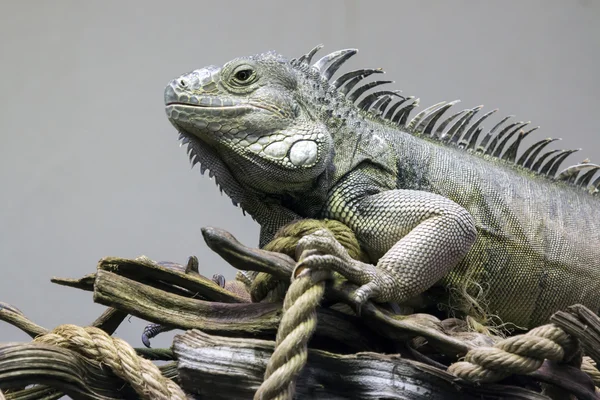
<point x="182" y="83"/>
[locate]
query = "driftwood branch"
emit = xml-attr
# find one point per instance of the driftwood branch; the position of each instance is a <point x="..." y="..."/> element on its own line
<point x="15" y="317"/>
<point x="84" y="283"/>
<point x="158" y="297"/>
<point x="155" y="274"/>
<point x="247" y="258"/>
<point x="58" y="371"/>
<point x="229" y="319"/>
<point x="236" y="366"/>
<point x="110" y="320"/>
<point x="63" y="369"/>
<point x="584" y="325"/>
<point x="124" y="284"/>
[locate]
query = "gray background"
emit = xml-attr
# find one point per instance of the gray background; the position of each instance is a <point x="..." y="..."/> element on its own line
<point x="90" y="166"/>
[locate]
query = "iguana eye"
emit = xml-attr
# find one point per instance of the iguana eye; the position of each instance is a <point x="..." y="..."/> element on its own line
<point x="244" y="76"/>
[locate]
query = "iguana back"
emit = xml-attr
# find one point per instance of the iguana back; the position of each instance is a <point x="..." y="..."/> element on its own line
<point x="538" y="241"/>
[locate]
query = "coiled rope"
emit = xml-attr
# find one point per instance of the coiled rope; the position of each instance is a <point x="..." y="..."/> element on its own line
<point x="143" y="375"/>
<point x="519" y="354"/>
<point x="285" y="242"/>
<point x="299" y="319"/>
<point x="298" y="323"/>
<point x="589" y="367"/>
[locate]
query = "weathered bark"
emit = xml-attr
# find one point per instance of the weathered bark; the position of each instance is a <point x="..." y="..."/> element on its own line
<point x="582" y="323"/>
<point x="228" y="319"/>
<point x="23" y="364"/>
<point x="57" y="372"/>
<point x="232" y="368"/>
<point x="16" y="318"/>
<point x="247" y="258"/>
<point x="159" y="290"/>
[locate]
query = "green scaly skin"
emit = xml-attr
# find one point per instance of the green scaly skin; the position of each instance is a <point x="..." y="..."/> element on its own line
<point x="430" y="206"/>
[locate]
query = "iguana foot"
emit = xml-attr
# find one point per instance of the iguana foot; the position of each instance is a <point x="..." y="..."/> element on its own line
<point x="333" y="256"/>
<point x="322" y="241"/>
<point x="151" y="331"/>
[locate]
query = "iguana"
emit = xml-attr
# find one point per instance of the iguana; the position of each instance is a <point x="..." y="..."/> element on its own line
<point x="433" y="200"/>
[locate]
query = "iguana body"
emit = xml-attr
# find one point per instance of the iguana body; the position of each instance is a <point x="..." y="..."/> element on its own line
<point x="429" y="198"/>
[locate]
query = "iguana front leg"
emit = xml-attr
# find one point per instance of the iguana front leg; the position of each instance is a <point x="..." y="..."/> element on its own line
<point x="416" y="236"/>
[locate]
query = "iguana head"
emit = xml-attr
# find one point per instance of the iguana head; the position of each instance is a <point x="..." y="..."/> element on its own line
<point x="268" y="128"/>
<point x="250" y="120"/>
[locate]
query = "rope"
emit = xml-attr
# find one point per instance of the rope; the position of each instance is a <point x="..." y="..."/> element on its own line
<point x="2" y="396"/>
<point x="299" y="319"/>
<point x="589" y="367"/>
<point x="287" y="237"/>
<point x="286" y="240"/>
<point x="265" y="287"/>
<point x="519" y="354"/>
<point x="143" y="375"/>
<point x="297" y="325"/>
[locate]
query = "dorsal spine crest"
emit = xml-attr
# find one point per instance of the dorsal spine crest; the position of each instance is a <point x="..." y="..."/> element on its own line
<point x="349" y="93"/>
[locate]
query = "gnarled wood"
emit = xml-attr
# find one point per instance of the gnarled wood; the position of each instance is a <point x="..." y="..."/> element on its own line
<point x="243" y="257"/>
<point x="15" y="317"/>
<point x="582" y="323"/>
<point x="231" y="368"/>
<point x="23" y="364"/>
<point x="228" y="319"/>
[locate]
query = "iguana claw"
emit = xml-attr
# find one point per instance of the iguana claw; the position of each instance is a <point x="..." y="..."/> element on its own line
<point x="333" y="256"/>
<point x="324" y="242"/>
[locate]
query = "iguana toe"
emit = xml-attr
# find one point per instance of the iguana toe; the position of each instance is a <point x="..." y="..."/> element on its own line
<point x="322" y="241"/>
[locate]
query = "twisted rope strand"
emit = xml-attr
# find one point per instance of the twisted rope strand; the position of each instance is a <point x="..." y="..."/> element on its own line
<point x="519" y="354"/>
<point x="143" y="375"/>
<point x="297" y="325"/>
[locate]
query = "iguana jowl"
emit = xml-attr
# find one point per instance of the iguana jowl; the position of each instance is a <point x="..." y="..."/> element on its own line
<point x="432" y="199"/>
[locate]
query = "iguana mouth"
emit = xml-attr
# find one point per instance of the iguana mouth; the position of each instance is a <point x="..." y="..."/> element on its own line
<point x="174" y="98"/>
<point x="181" y="103"/>
<point x="236" y="107"/>
<point x="205" y="102"/>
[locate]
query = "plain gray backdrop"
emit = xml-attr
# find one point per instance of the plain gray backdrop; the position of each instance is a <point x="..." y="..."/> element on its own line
<point x="90" y="166"/>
